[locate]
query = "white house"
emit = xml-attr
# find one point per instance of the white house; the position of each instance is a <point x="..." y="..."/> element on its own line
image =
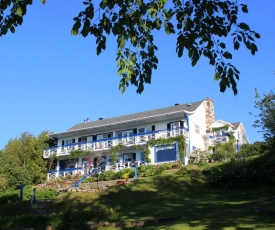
<point x="221" y="131"/>
<point x="127" y="136"/>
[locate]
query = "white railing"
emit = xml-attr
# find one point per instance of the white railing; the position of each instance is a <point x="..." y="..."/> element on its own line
<point x="54" y="174"/>
<point x="218" y="139"/>
<point x="105" y="144"/>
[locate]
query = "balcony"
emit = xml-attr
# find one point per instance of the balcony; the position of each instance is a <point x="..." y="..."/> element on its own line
<point x="218" y="139"/>
<point x="53" y="174"/>
<point x="105" y="144"/>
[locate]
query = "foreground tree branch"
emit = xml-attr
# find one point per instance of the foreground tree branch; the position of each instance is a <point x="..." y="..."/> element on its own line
<point x="199" y="26"/>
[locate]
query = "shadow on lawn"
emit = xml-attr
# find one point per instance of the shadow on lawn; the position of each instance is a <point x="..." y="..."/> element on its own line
<point x="167" y="196"/>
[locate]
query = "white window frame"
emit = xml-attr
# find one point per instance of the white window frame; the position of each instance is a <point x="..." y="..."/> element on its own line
<point x="197" y="128"/>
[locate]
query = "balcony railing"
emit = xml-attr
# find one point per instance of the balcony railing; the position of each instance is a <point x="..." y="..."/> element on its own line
<point x="105" y="144"/>
<point x="218" y="139"/>
<point x="53" y="174"/>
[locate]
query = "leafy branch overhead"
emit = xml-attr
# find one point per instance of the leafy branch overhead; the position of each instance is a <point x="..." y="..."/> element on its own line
<point x="200" y="28"/>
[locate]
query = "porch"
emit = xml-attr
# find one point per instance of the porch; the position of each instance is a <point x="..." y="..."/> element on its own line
<point x="61" y="173"/>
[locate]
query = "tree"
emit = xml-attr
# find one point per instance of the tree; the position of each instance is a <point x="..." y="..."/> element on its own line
<point x="22" y="161"/>
<point x="257" y="148"/>
<point x="266" y="117"/>
<point x="200" y="26"/>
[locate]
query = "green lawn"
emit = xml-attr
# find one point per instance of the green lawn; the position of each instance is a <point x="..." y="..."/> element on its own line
<point x="189" y="196"/>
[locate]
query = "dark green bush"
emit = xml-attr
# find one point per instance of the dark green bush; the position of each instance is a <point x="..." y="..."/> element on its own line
<point x="129" y="171"/>
<point x="150" y="172"/>
<point x="161" y="169"/>
<point x="90" y="179"/>
<point x="182" y="171"/>
<point x="217" y="156"/>
<point x="9" y="196"/>
<point x="108" y="175"/>
<point x="46" y="193"/>
<point x="250" y="172"/>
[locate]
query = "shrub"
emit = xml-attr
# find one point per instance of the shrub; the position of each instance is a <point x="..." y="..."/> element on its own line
<point x="244" y="173"/>
<point x="217" y="156"/>
<point x="90" y="180"/>
<point x="108" y="175"/>
<point x="9" y="196"/>
<point x="161" y="169"/>
<point x="99" y="214"/>
<point x="175" y="164"/>
<point x="73" y="218"/>
<point x="204" y="164"/>
<point x="129" y="171"/>
<point x="182" y="171"/>
<point x="125" y="175"/>
<point x="150" y="172"/>
<point x="45" y="193"/>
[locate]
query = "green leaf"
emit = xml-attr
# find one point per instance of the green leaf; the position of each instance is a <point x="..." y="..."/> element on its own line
<point x="169" y="28"/>
<point x="157" y="23"/>
<point x="236" y="45"/>
<point x="152" y="12"/>
<point x="227" y="55"/>
<point x="121" y="42"/>
<point x="257" y="35"/>
<point x="217" y="76"/>
<point x="254" y="48"/>
<point x="222" y="86"/>
<point x="43" y="1"/>
<point x="74" y="32"/>
<point x="244" y="8"/>
<point x="244" y="26"/>
<point x="222" y="45"/>
<point x="212" y="61"/>
<point x="19" y="11"/>
<point x="239" y="38"/>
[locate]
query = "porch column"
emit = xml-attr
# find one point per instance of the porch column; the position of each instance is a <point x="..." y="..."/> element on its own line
<point x="82" y="172"/>
<point x="57" y="169"/>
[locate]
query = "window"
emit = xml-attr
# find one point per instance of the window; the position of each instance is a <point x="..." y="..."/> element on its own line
<point x="128" y="157"/>
<point x="102" y="136"/>
<point x="142" y="156"/>
<point x="68" y="142"/>
<point x="141" y="137"/>
<point x="141" y="130"/>
<point x="173" y="129"/>
<point x="165" y="153"/>
<point x="197" y="128"/>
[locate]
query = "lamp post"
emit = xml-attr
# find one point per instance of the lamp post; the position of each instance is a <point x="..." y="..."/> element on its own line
<point x="237" y="146"/>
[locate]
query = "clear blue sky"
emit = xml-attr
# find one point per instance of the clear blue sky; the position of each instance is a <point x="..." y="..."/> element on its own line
<point x="51" y="80"/>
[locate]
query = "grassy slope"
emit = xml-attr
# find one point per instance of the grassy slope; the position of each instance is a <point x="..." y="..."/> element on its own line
<point x="172" y="195"/>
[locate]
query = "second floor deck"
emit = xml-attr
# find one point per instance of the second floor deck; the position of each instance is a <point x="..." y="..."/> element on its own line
<point x="105" y="144"/>
<point x="219" y="139"/>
